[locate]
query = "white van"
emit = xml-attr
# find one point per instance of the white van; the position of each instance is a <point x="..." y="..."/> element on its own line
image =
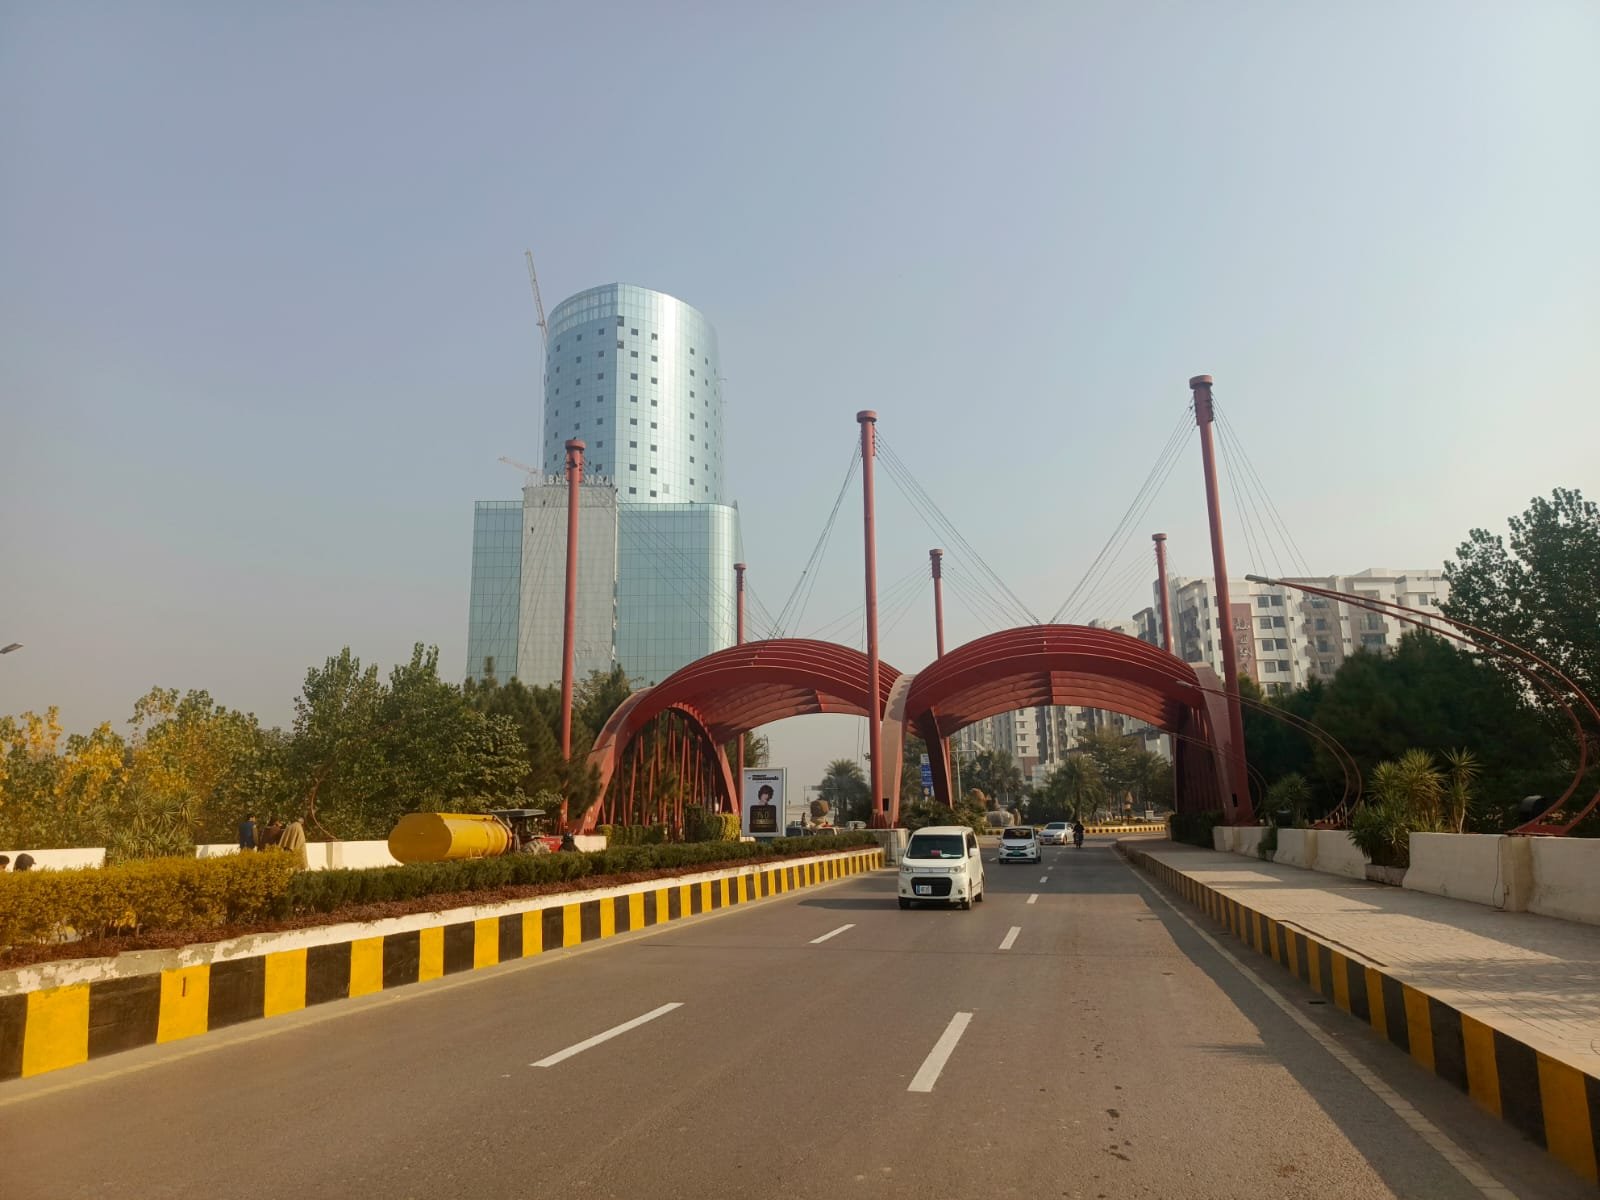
<point x="942" y="865"/>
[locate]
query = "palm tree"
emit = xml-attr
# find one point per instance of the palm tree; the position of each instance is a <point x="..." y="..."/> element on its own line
<point x="1078" y="782"/>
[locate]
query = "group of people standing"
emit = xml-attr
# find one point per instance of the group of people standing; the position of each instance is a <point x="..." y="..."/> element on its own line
<point x="290" y="837"/>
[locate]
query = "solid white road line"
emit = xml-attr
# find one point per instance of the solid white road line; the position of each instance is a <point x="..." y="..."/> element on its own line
<point x="591" y="1043"/>
<point x="1011" y="938"/>
<point x="1033" y="899"/>
<point x="832" y="933"/>
<point x="928" y="1074"/>
<point x="1044" y="879"/>
<point x="1486" y="1184"/>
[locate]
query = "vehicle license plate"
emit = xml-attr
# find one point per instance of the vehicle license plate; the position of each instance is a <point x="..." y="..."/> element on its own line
<point x="923" y="889"/>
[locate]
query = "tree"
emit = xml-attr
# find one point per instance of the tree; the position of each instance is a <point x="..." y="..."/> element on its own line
<point x="844" y="786"/>
<point x="996" y="774"/>
<point x="1075" y="788"/>
<point x="1542" y="591"/>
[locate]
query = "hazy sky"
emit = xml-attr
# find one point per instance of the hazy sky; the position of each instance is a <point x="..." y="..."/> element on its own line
<point x="265" y="325"/>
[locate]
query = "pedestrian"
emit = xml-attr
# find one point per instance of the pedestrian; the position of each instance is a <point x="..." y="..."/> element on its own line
<point x="24" y="861"/>
<point x="272" y="834"/>
<point x="247" y="832"/>
<point x="294" y="841"/>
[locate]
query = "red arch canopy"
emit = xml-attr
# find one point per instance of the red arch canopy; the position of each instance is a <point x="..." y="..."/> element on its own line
<point x="727" y="694"/>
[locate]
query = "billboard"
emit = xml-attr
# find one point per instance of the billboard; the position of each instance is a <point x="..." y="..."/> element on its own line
<point x="761" y="802"/>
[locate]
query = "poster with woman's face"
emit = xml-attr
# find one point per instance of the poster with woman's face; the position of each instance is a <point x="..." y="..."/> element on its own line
<point x="761" y="803"/>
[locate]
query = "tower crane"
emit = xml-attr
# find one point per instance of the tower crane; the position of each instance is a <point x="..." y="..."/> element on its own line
<point x="538" y="300"/>
<point x="521" y="466"/>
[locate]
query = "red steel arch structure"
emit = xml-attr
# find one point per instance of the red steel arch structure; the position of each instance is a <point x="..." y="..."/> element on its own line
<point x="722" y="697"/>
<point x="725" y="695"/>
<point x="1038" y="665"/>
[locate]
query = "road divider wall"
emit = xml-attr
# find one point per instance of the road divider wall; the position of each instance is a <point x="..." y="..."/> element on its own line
<point x="59" y="1014"/>
<point x="1552" y="1102"/>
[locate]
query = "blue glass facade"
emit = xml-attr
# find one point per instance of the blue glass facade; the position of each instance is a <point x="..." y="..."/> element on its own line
<point x="495" y="607"/>
<point x="635" y="374"/>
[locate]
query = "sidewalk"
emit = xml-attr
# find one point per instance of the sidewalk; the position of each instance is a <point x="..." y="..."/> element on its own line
<point x="1504" y="1005"/>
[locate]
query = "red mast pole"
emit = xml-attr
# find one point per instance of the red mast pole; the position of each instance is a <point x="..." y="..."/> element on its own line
<point x="569" y="621"/>
<point x="1239" y="785"/>
<point x="938" y="600"/>
<point x="738" y="588"/>
<point x="1160" y="539"/>
<point x="868" y="421"/>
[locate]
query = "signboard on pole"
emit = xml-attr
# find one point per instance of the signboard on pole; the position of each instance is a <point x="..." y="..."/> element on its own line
<point x="927" y="774"/>
<point x="761" y="810"/>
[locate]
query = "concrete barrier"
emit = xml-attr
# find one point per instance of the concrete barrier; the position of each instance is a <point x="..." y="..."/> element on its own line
<point x="1296" y="848"/>
<point x="1484" y="868"/>
<point x="59" y="1014"/>
<point x="1247" y="839"/>
<point x="62" y="860"/>
<point x="1336" y="854"/>
<point x="1222" y="838"/>
<point x="1565" y="879"/>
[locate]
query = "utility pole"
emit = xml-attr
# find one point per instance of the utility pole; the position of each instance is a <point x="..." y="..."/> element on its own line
<point x="934" y="557"/>
<point x="1160" y="540"/>
<point x="569" y="624"/>
<point x="868" y="420"/>
<point x="738" y="589"/>
<point x="1239" y="784"/>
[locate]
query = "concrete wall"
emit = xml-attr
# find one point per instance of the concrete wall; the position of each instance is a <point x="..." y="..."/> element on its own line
<point x="325" y="856"/>
<point x="1484" y="868"/>
<point x="1247" y="838"/>
<point x="1566" y="878"/>
<point x="60" y="860"/>
<point x="1222" y="838"/>
<point x="1336" y="854"/>
<point x="1296" y="848"/>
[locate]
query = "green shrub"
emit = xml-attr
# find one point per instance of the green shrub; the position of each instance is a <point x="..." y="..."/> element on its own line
<point x="703" y="825"/>
<point x="1267" y="847"/>
<point x="142" y="896"/>
<point x="326" y="891"/>
<point x="1194" y="829"/>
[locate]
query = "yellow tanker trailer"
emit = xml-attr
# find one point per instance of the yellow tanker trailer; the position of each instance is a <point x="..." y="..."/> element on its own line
<point x="446" y="837"/>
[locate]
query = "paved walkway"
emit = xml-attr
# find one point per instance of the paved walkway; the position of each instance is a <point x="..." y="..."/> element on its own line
<point x="1533" y="978"/>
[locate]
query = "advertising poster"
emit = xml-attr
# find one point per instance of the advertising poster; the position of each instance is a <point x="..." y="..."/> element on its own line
<point x="761" y="802"/>
<point x="1244" y="641"/>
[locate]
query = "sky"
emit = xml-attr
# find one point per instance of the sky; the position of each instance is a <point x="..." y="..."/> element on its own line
<point x="265" y="325"/>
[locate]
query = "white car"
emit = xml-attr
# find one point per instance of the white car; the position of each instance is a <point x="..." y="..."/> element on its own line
<point x="1057" y="833"/>
<point x="1020" y="844"/>
<point x="941" y="865"/>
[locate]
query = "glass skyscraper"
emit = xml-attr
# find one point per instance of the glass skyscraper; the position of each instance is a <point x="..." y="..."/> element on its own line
<point x="634" y="374"/>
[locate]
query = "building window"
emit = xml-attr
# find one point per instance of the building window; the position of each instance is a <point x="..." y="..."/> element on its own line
<point x="633" y="466"/>
<point x="653" y="358"/>
<point x="619" y="345"/>
<point x="631" y="353"/>
<point x="1261" y="601"/>
<point x="633" y="445"/>
<point x="691" y="372"/>
<point x="691" y="481"/>
<point x="691" y="396"/>
<point x="653" y="379"/>
<point x="635" y="375"/>
<point x="652" y="493"/>
<point x="653" y="471"/>
<point x="600" y="421"/>
<point x="652" y="447"/>
<point x="1278" y="623"/>
<point x="654" y="403"/>
<point x="633" y="420"/>
<point x="619" y="322"/>
<point x="634" y="332"/>
<point x="633" y="491"/>
<point x="654" y="338"/>
<point x="691" y="458"/>
<point x="1264" y="622"/>
<point x="633" y="399"/>
<point x="691" y="437"/>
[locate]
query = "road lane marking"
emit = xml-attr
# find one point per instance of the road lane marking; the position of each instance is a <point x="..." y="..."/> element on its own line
<point x="928" y="1074"/>
<point x="1486" y="1184"/>
<point x="591" y="1043"/>
<point x="1044" y="879"/>
<point x="832" y="933"/>
<point x="1011" y="938"/>
<point x="1033" y="899"/>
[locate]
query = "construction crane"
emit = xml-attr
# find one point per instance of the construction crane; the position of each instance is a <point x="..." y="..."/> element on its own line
<point x="521" y="466"/>
<point x="538" y="300"/>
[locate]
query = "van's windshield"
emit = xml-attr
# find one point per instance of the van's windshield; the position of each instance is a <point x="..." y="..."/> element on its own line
<point x="937" y="845"/>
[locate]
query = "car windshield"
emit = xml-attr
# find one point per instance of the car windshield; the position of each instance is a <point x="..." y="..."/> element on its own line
<point x="1022" y="833"/>
<point x="936" y="845"/>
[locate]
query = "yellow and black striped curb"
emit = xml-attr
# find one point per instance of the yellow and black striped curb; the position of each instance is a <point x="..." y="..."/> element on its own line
<point x="57" y="1027"/>
<point x="1161" y="829"/>
<point x="1555" y="1104"/>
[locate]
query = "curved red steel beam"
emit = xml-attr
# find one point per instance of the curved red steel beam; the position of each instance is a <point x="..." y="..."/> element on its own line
<point x="1040" y="665"/>
<point x="733" y="691"/>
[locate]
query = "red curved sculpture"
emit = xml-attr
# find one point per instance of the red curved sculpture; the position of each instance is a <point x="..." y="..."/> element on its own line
<point x="725" y="695"/>
<point x="1038" y="665"/>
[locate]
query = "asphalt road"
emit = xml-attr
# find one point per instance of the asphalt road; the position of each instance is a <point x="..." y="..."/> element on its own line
<point x="1109" y="1050"/>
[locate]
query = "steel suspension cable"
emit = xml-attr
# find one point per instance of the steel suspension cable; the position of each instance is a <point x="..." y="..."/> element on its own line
<point x="1250" y="468"/>
<point x="785" y="613"/>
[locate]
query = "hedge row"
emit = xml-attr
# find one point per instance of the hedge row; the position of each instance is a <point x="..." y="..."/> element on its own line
<point x="324" y="891"/>
<point x="149" y="894"/>
<point x="200" y="893"/>
<point x="1193" y="828"/>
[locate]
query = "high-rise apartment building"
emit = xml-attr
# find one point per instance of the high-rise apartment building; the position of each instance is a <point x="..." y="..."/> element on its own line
<point x="634" y="374"/>
<point x="1286" y="638"/>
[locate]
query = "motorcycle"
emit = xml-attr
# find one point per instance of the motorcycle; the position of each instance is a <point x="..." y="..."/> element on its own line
<point x="1077" y="836"/>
